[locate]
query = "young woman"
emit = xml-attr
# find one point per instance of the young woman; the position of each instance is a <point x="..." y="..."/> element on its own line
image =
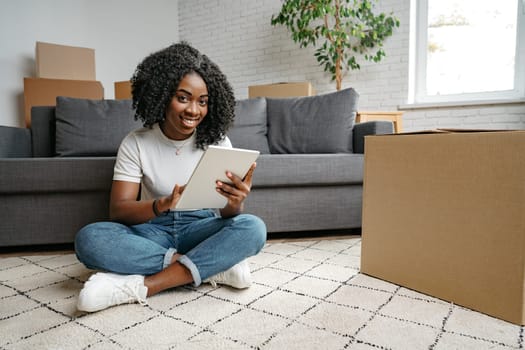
<point x="185" y="104"/>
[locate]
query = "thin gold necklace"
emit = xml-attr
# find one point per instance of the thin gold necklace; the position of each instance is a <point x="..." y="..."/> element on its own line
<point x="178" y="149"/>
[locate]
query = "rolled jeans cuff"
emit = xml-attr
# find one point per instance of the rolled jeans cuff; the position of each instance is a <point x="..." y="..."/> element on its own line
<point x="184" y="260"/>
<point x="168" y="257"/>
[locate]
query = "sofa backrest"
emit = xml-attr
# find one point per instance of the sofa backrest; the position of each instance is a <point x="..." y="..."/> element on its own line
<point x="15" y="142"/>
<point x="314" y="124"/>
<point x="43" y="131"/>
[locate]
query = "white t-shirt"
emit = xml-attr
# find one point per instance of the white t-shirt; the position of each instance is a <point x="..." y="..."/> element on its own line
<point x="148" y="157"/>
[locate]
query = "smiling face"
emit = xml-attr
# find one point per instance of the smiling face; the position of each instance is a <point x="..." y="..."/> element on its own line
<point x="187" y="109"/>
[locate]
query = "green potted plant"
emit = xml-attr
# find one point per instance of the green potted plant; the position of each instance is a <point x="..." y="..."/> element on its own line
<point x="349" y="29"/>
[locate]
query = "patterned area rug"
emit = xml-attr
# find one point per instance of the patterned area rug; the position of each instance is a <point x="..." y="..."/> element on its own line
<point x="306" y="295"/>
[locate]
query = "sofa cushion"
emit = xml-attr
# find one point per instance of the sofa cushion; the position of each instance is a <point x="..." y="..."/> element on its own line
<point x="250" y="127"/>
<point x="62" y="175"/>
<point x="316" y="124"/>
<point x="92" y="127"/>
<point x="291" y="170"/>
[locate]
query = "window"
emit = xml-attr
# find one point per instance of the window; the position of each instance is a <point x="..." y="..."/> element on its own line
<point x="468" y="50"/>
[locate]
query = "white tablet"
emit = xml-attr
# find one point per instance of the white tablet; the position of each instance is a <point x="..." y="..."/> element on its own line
<point x="200" y="190"/>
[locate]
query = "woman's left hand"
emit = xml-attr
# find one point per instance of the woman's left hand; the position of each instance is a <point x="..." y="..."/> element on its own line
<point x="236" y="192"/>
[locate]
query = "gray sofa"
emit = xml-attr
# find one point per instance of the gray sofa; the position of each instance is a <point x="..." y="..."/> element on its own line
<point x="56" y="176"/>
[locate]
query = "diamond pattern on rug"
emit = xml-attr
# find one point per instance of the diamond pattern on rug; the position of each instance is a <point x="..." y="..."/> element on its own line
<point x="306" y="295"/>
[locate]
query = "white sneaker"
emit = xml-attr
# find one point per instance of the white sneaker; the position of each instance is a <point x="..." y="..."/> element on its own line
<point x="103" y="290"/>
<point x="237" y="276"/>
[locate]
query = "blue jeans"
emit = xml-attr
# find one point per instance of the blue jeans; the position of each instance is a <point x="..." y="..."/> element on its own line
<point x="208" y="244"/>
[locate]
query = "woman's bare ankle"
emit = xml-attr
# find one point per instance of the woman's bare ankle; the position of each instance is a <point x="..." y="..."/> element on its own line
<point x="175" y="257"/>
<point x="174" y="275"/>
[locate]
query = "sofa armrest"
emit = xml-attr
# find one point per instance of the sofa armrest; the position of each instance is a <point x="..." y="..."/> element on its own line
<point x="375" y="127"/>
<point x="15" y="142"/>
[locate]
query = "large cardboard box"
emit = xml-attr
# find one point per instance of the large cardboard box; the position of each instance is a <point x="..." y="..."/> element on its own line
<point x="444" y="214"/>
<point x="43" y="92"/>
<point x="281" y="90"/>
<point x="64" y="62"/>
<point x="123" y="90"/>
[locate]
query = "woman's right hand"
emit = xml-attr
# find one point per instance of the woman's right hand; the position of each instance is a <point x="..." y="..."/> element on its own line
<point x="171" y="201"/>
<point x="126" y="209"/>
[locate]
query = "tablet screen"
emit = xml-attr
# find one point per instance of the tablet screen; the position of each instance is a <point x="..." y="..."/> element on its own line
<point x="200" y="190"/>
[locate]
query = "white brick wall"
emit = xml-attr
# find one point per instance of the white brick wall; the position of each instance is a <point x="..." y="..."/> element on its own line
<point x="238" y="36"/>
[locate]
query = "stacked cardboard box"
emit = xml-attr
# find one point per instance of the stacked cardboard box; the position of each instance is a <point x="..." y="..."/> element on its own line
<point x="60" y="71"/>
<point x="444" y="214"/>
<point x="122" y="90"/>
<point x="281" y="90"/>
<point x="64" y="62"/>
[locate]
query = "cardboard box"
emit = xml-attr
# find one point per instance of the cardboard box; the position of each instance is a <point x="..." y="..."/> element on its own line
<point x="122" y="90"/>
<point x="64" y="62"/>
<point x="43" y="92"/>
<point x="281" y="90"/>
<point x="444" y="214"/>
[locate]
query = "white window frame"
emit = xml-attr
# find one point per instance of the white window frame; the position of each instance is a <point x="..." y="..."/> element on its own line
<point x="418" y="63"/>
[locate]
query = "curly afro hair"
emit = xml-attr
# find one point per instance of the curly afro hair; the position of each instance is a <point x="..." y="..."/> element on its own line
<point x="157" y="77"/>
